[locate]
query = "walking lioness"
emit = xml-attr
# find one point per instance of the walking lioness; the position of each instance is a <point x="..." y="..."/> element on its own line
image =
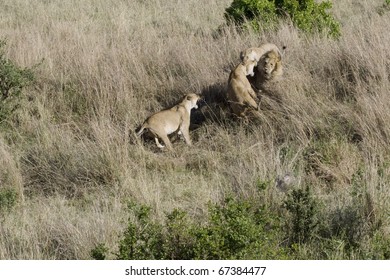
<point x="175" y="119"/>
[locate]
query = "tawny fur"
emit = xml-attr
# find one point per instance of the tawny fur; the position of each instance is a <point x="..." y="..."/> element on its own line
<point x="268" y="69"/>
<point x="175" y="119"/>
<point x="240" y="94"/>
<point x="255" y="53"/>
<point x="269" y="63"/>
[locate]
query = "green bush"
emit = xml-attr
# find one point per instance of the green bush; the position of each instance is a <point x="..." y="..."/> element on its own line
<point x="303" y="208"/>
<point x="247" y="229"/>
<point x="252" y="13"/>
<point x="237" y="229"/>
<point x="99" y="252"/>
<point x="142" y="239"/>
<point x="12" y="80"/>
<point x="306" y="15"/>
<point x="180" y="241"/>
<point x="240" y="228"/>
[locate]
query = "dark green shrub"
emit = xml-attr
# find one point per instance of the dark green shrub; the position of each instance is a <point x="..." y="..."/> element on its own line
<point x="237" y="229"/>
<point x="99" y="252"/>
<point x="246" y="229"/>
<point x="303" y="208"/>
<point x="12" y="80"/>
<point x="251" y="13"/>
<point x="310" y="16"/>
<point x="180" y="240"/>
<point x="142" y="239"/>
<point x="306" y="15"/>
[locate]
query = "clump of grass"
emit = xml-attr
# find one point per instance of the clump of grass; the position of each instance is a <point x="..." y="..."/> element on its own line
<point x="62" y="165"/>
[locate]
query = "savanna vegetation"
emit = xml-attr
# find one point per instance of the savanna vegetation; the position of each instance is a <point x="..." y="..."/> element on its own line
<point x="309" y="180"/>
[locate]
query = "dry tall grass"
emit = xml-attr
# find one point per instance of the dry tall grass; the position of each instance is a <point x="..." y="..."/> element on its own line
<point x="71" y="154"/>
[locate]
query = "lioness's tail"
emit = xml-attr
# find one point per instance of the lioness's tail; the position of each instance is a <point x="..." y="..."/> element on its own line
<point x="141" y="130"/>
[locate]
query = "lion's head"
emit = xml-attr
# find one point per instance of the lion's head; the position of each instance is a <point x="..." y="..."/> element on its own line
<point x="270" y="65"/>
<point x="249" y="67"/>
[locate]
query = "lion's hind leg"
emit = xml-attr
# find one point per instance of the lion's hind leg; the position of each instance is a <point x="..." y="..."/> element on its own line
<point x="166" y="141"/>
<point x="158" y="143"/>
<point x="158" y="133"/>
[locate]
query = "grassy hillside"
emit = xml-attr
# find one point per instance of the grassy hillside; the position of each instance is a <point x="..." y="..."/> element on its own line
<point x="70" y="162"/>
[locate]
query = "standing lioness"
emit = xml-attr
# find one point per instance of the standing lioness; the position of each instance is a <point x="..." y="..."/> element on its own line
<point x="240" y="94"/>
<point x="175" y="119"/>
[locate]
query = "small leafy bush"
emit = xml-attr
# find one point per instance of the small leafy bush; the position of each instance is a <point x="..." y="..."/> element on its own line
<point x="12" y="80"/>
<point x="303" y="208"/>
<point x="239" y="229"/>
<point x="180" y="240"/>
<point x="143" y="239"/>
<point x="306" y="15"/>
<point x="99" y="252"/>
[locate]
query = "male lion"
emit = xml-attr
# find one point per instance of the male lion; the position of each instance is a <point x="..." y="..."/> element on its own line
<point x="240" y="95"/>
<point x="269" y="63"/>
<point x="269" y="68"/>
<point x="175" y="119"/>
<point x="257" y="53"/>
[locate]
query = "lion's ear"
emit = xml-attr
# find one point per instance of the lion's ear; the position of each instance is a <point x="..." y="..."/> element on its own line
<point x="279" y="56"/>
<point x="242" y="55"/>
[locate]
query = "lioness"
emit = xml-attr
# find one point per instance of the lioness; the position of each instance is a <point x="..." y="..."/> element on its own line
<point x="175" y="119"/>
<point x="240" y="94"/>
